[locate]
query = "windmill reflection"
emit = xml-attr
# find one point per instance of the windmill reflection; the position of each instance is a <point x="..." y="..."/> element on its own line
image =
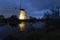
<point x="22" y="26"/>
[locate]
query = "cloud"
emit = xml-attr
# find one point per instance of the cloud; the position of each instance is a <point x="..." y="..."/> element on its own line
<point x="32" y="7"/>
<point x="7" y="7"/>
<point x="43" y="4"/>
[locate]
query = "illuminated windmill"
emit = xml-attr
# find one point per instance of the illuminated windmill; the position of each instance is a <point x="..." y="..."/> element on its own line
<point x="22" y="15"/>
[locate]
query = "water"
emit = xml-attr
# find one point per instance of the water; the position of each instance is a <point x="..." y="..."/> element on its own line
<point x="7" y="29"/>
<point x="28" y="31"/>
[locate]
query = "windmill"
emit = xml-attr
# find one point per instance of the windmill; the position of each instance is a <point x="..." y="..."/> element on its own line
<point x="22" y="14"/>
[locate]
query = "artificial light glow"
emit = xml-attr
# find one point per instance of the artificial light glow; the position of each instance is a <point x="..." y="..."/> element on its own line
<point x="22" y="15"/>
<point x="22" y="26"/>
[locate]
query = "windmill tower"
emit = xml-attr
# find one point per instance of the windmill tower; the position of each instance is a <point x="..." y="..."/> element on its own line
<point x="22" y="15"/>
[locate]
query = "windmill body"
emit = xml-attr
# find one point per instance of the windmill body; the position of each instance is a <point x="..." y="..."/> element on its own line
<point x="22" y="15"/>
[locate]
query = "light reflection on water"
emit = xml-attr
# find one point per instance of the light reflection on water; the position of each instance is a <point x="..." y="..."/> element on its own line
<point x="10" y="30"/>
<point x="26" y="26"/>
<point x="22" y="26"/>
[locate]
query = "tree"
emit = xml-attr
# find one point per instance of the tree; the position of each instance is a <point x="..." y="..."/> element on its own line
<point x="13" y="17"/>
<point x="33" y="18"/>
<point x="55" y="12"/>
<point x="1" y="17"/>
<point x="46" y="15"/>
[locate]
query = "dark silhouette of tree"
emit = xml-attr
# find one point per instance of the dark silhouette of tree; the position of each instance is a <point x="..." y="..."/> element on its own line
<point x="46" y="15"/>
<point x="55" y="12"/>
<point x="13" y="18"/>
<point x="32" y="17"/>
<point x="1" y="17"/>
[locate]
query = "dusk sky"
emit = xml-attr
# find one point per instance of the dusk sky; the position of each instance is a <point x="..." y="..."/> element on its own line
<point x="33" y="7"/>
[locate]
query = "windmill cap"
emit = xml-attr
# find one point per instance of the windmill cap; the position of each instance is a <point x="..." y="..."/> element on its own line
<point x="22" y="9"/>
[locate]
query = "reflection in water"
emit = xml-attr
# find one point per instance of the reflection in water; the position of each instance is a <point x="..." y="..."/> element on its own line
<point x="22" y="26"/>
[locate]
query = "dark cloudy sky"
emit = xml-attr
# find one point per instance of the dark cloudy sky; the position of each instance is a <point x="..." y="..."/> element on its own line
<point x="33" y="7"/>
